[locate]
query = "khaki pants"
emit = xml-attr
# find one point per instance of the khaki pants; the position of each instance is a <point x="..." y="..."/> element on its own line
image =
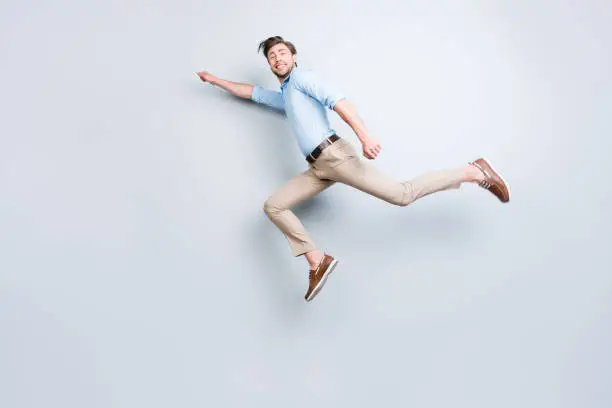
<point x="340" y="162"/>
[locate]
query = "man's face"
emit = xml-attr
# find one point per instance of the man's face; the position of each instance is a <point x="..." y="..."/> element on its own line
<point x="281" y="60"/>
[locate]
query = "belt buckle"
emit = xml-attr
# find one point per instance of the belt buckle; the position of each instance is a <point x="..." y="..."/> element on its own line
<point x="321" y="147"/>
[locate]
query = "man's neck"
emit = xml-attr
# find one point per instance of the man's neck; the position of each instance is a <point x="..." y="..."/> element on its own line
<point x="282" y="79"/>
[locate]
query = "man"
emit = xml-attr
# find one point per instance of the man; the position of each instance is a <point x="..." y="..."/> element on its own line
<point x="304" y="98"/>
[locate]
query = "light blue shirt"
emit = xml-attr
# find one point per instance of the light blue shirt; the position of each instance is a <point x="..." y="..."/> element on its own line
<point x="304" y="98"/>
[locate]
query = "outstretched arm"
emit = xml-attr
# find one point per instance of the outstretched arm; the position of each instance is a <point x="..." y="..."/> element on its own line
<point x="348" y="113"/>
<point x="235" y="88"/>
<point x="246" y="91"/>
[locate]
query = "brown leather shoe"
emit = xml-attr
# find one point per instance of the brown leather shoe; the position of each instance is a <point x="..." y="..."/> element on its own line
<point x="319" y="276"/>
<point x="493" y="181"/>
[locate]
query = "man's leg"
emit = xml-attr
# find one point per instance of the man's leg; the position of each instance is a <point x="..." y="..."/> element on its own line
<point x="278" y="208"/>
<point x="365" y="177"/>
<point x="342" y="164"/>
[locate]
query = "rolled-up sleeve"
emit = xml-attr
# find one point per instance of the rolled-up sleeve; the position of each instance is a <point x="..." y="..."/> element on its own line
<point x="311" y="84"/>
<point x="267" y="97"/>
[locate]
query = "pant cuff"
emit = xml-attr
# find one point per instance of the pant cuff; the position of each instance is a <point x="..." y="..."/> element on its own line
<point x="302" y="249"/>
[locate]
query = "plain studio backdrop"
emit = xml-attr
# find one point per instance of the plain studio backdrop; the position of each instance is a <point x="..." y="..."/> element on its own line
<point x="138" y="268"/>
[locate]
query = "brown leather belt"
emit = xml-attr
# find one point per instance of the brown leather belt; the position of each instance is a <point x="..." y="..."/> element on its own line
<point x="314" y="155"/>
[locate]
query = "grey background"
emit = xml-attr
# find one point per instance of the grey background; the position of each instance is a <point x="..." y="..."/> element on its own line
<point x="138" y="267"/>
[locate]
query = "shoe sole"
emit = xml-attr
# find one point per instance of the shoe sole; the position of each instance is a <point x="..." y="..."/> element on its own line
<point x="498" y="174"/>
<point x="326" y="274"/>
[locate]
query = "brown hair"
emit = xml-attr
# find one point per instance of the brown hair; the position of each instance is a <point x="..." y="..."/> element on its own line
<point x="271" y="42"/>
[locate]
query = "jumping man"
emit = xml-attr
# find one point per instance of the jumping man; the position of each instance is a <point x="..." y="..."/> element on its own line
<point x="304" y="98"/>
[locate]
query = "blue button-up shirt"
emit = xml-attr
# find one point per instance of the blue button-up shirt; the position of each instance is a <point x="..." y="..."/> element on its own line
<point x="303" y="97"/>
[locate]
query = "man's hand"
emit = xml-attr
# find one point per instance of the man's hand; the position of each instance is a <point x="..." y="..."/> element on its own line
<point x="371" y="148"/>
<point x="235" y="88"/>
<point x="206" y="77"/>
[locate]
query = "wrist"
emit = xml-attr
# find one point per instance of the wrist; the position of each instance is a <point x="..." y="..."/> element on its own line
<point x="362" y="136"/>
<point x="213" y="80"/>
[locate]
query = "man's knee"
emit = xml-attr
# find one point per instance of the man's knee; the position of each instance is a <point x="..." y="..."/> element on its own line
<point x="271" y="206"/>
<point x="268" y="207"/>
<point x="405" y="200"/>
<point x="406" y="197"/>
<point x="400" y="201"/>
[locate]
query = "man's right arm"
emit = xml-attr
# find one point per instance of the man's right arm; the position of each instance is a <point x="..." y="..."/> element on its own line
<point x="235" y="88"/>
<point x="246" y="91"/>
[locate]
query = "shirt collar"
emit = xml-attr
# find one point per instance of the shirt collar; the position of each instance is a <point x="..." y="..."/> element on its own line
<point x="286" y="80"/>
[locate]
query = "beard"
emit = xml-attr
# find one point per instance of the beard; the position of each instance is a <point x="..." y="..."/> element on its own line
<point x="284" y="75"/>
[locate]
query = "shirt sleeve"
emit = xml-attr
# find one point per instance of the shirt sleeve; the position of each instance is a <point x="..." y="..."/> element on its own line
<point x="267" y="97"/>
<point x="311" y="84"/>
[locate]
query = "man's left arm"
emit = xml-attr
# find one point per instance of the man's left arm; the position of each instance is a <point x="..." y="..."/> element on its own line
<point x="348" y="113"/>
<point x="311" y="84"/>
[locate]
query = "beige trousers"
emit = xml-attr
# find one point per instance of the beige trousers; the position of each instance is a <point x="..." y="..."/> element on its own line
<point x="340" y="162"/>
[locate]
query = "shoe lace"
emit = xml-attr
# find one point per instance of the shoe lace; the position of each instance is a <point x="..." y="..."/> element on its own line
<point x="485" y="183"/>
